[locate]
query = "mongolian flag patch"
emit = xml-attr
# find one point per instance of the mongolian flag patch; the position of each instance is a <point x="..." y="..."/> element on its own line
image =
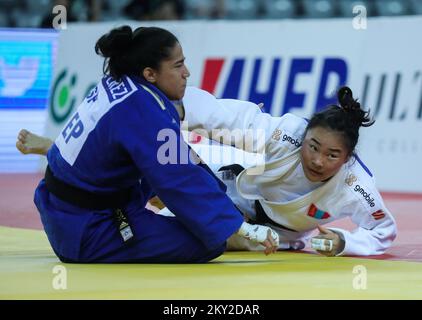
<point x="378" y="214"/>
<point x="316" y="213"/>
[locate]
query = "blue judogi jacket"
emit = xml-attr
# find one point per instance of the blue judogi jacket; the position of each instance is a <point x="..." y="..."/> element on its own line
<point x="127" y="134"/>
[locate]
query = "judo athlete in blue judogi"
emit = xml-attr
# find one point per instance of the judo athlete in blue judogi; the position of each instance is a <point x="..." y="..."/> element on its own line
<point x="116" y="152"/>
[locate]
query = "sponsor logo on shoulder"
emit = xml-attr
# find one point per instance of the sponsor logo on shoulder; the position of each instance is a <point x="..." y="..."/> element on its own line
<point x="276" y="134"/>
<point x="293" y="141"/>
<point x="351" y="178"/>
<point x="365" y="195"/>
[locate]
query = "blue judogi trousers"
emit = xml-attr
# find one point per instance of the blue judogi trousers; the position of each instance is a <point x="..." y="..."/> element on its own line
<point x="83" y="236"/>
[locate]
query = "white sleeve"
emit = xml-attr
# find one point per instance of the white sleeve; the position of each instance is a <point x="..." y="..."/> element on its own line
<point x="375" y="232"/>
<point x="234" y="122"/>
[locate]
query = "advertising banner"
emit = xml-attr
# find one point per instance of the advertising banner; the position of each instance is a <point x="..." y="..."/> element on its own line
<point x="26" y="71"/>
<point x="289" y="66"/>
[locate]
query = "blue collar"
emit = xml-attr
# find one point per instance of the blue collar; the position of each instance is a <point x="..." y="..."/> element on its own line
<point x="168" y="104"/>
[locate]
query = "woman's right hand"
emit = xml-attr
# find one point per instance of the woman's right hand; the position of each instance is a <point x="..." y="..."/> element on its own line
<point x="271" y="242"/>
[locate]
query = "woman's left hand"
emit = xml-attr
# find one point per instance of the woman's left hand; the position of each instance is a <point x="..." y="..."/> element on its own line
<point x="337" y="242"/>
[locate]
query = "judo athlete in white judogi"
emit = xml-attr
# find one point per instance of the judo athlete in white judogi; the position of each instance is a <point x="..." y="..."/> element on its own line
<point x="311" y="176"/>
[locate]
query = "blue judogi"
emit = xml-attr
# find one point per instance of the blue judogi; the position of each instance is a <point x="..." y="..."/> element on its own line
<point x="126" y="134"/>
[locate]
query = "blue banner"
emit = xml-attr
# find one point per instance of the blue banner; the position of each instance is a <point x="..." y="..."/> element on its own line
<point x="26" y="67"/>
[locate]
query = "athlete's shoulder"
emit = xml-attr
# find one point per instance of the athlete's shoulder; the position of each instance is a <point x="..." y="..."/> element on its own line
<point x="292" y="122"/>
<point x="118" y="91"/>
<point x="135" y="94"/>
<point x="361" y="185"/>
<point x="290" y="129"/>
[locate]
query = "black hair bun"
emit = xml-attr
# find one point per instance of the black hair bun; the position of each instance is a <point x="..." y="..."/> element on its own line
<point x="346" y="100"/>
<point x="116" y="42"/>
<point x="352" y="107"/>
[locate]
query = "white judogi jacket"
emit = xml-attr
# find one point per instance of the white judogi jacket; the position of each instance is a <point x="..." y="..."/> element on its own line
<point x="350" y="193"/>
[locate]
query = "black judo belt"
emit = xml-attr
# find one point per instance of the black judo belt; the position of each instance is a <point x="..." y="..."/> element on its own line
<point x="261" y="216"/>
<point x="115" y="201"/>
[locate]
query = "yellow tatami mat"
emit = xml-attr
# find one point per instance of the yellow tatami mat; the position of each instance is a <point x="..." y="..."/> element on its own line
<point x="28" y="270"/>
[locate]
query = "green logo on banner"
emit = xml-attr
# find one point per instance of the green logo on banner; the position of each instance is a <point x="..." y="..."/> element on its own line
<point x="61" y="102"/>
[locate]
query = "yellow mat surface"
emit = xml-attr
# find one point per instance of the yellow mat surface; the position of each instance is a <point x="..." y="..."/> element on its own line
<point x="30" y="270"/>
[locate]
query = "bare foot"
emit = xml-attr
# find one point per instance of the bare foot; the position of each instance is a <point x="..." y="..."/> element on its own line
<point x="30" y="143"/>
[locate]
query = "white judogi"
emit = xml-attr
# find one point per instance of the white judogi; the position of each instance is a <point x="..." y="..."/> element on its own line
<point x="287" y="197"/>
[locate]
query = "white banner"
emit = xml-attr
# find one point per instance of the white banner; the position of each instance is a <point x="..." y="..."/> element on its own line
<point x="291" y="66"/>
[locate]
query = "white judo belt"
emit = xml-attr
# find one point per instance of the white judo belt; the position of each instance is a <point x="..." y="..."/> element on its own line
<point x="322" y="244"/>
